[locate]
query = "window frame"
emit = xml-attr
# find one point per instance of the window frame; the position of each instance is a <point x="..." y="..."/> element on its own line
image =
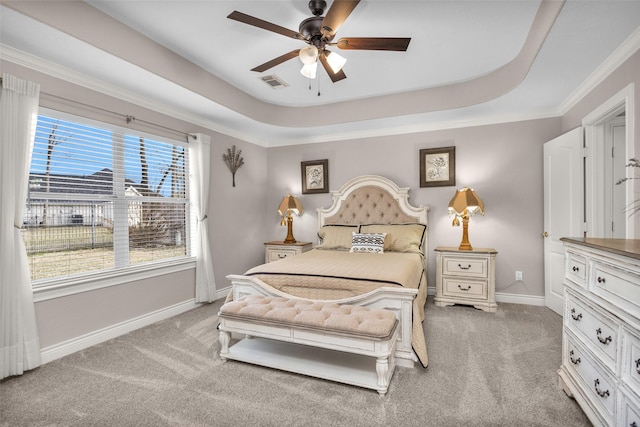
<point x="49" y="288"/>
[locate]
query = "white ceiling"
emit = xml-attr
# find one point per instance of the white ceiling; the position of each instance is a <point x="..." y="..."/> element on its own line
<point x="451" y="42"/>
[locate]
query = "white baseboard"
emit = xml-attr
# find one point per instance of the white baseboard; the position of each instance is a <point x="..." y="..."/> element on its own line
<point x="73" y="345"/>
<point x="509" y="298"/>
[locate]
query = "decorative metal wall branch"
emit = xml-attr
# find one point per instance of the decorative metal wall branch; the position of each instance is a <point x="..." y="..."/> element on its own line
<point x="234" y="161"/>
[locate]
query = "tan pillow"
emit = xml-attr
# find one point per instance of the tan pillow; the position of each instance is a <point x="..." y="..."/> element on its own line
<point x="400" y="237"/>
<point x="336" y="236"/>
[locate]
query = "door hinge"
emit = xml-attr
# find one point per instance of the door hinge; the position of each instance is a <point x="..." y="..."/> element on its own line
<point x="585" y="152"/>
<point x="584" y="227"/>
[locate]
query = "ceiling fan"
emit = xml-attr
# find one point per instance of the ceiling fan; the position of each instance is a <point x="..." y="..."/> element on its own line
<point x="318" y="32"/>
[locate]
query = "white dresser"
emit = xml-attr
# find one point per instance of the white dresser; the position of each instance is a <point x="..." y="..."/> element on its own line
<point x="601" y="329"/>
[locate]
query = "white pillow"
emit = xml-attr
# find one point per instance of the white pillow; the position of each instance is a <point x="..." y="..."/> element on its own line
<point x="371" y="243"/>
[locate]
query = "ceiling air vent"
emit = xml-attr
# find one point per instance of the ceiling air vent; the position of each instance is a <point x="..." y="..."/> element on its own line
<point x="274" y="81"/>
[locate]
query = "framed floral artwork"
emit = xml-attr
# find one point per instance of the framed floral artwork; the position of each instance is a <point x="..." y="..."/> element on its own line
<point x="438" y="167"/>
<point x="315" y="176"/>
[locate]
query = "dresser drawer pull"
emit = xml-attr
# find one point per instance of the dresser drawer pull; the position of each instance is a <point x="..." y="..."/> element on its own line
<point x="600" y="392"/>
<point x="464" y="289"/>
<point x="638" y="366"/>
<point x="575" y="268"/>
<point x="464" y="268"/>
<point x="282" y="256"/>
<point x="600" y="279"/>
<point x="606" y="340"/>
<point x="573" y="315"/>
<point x="574" y="361"/>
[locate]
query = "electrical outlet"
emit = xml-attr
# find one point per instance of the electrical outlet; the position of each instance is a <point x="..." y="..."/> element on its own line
<point x="518" y="275"/>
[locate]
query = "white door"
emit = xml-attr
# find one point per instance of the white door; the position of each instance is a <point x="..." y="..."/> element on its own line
<point x="563" y="208"/>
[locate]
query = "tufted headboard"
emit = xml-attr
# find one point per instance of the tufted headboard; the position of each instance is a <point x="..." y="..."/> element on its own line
<point x="372" y="199"/>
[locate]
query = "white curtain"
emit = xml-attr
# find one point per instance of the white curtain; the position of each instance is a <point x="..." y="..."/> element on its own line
<point x="200" y="161"/>
<point x="19" y="341"/>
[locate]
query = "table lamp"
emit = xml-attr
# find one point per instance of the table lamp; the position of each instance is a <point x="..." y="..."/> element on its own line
<point x="289" y="205"/>
<point x="464" y="204"/>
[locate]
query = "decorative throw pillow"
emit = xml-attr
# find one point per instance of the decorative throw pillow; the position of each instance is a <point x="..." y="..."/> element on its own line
<point x="400" y="237"/>
<point x="372" y="243"/>
<point x="336" y="236"/>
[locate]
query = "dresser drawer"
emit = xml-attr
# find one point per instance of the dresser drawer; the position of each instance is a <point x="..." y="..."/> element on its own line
<point x="598" y="331"/>
<point x="465" y="267"/>
<point x="616" y="285"/>
<point x="629" y="412"/>
<point x="468" y="288"/>
<point x="276" y="254"/>
<point x="576" y="268"/>
<point x="598" y="386"/>
<point x="631" y="362"/>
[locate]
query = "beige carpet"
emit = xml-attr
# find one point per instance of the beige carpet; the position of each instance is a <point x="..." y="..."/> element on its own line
<point x="485" y="370"/>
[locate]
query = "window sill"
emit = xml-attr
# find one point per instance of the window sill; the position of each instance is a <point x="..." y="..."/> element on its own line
<point x="65" y="287"/>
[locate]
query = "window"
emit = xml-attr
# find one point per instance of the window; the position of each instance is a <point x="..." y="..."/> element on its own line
<point x="103" y="199"/>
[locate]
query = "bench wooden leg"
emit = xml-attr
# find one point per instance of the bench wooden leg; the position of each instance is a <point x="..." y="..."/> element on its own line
<point x="224" y="343"/>
<point x="382" y="368"/>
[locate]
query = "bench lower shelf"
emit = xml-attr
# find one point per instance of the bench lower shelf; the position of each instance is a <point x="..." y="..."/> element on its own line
<point x="347" y="368"/>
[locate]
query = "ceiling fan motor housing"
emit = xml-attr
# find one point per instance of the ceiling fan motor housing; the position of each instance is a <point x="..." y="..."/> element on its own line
<point x="311" y="29"/>
<point x="317" y="7"/>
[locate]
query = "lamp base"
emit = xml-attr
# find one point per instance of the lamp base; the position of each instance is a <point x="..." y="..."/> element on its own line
<point x="290" y="238"/>
<point x="464" y="244"/>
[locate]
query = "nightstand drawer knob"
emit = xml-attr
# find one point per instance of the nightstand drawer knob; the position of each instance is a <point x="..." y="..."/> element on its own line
<point x="638" y="366"/>
<point x="604" y="341"/>
<point x="464" y="268"/>
<point x="601" y="279"/>
<point x="282" y="256"/>
<point x="464" y="289"/>
<point x="575" y="268"/>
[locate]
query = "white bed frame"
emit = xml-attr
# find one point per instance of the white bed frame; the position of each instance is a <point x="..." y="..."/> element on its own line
<point x="396" y="299"/>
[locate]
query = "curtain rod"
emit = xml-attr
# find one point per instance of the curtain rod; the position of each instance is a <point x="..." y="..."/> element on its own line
<point x="127" y="117"/>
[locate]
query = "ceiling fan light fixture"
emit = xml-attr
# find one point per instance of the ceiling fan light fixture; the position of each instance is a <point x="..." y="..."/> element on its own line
<point x="309" y="70"/>
<point x="335" y="61"/>
<point x="308" y="55"/>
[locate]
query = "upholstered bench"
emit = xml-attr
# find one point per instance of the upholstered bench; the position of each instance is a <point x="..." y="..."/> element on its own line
<point x="344" y="343"/>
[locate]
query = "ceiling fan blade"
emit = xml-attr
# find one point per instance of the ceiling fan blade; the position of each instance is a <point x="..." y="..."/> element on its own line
<point x="335" y="77"/>
<point x="257" y="22"/>
<point x="374" y="43"/>
<point x="276" y="61"/>
<point x="336" y="15"/>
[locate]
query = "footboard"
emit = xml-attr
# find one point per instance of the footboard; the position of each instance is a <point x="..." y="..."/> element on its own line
<point x="396" y="299"/>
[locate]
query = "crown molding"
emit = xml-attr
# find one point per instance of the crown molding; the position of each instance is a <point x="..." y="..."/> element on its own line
<point x="615" y="60"/>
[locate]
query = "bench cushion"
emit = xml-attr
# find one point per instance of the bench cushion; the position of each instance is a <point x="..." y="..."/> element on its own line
<point x="345" y="319"/>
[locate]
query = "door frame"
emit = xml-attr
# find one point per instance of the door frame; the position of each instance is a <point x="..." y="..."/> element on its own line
<point x="594" y="125"/>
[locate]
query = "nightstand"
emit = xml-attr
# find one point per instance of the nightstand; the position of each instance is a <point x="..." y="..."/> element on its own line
<point x="466" y="277"/>
<point x="273" y="251"/>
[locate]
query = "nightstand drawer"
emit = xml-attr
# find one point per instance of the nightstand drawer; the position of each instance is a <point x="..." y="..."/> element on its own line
<point x="467" y="267"/>
<point x="275" y="255"/>
<point x="456" y="287"/>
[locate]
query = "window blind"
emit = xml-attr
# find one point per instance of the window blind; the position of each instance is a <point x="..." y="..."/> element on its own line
<point x="101" y="199"/>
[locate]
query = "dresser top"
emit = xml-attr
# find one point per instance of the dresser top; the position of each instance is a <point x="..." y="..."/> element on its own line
<point x="626" y="247"/>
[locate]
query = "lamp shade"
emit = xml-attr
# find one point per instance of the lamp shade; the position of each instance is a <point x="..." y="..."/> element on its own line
<point x="290" y="204"/>
<point x="308" y="55"/>
<point x="335" y="61"/>
<point x="466" y="199"/>
<point x="309" y="70"/>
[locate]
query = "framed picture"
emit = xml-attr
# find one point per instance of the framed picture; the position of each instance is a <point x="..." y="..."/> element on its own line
<point x="315" y="176"/>
<point x="438" y="167"/>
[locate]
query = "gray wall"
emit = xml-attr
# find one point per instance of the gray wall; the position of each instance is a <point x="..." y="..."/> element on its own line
<point x="503" y="163"/>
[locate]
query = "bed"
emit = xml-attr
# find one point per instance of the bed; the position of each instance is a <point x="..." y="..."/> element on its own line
<point x="385" y="272"/>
